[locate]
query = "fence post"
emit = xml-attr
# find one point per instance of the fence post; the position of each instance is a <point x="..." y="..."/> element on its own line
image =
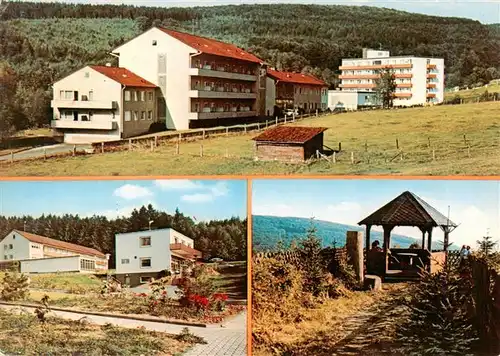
<point x="177" y="147"/>
<point x="11" y="156"/>
<point x="354" y="247"/>
<point x="402" y="155"/>
<point x="340" y="146"/>
<point x="180" y="137"/>
<point x="334" y="157"/>
<point x="245" y="127"/>
<point x="152" y="146"/>
<point x="227" y="131"/>
<point x="74" y="150"/>
<point x="276" y="121"/>
<point x="130" y="144"/>
<point x="156" y="140"/>
<point x="352" y="157"/>
<point x="201" y="150"/>
<point x="316" y="112"/>
<point x="203" y="134"/>
<point x="44" y="153"/>
<point x="293" y="116"/>
<point x="266" y="124"/>
<point x="285" y="119"/>
<point x="433" y="155"/>
<point x="102" y="147"/>
<point x="397" y="144"/>
<point x="258" y="126"/>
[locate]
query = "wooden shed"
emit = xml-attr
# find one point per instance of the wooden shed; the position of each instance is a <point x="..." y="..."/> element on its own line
<point x="289" y="143"/>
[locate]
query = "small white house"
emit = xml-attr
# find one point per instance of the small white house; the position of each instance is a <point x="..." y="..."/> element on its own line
<point x="103" y="103"/>
<point x="350" y="100"/>
<point x="40" y="254"/>
<point x="143" y="255"/>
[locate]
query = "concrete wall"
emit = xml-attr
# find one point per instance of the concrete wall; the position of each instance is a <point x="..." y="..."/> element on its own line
<point x="21" y="247"/>
<point x="177" y="237"/>
<point x="137" y="125"/>
<point x="270" y="96"/>
<point x="51" y="265"/>
<point x="271" y="152"/>
<point x="142" y="57"/>
<point x="128" y="247"/>
<point x="134" y="279"/>
<point x="103" y="89"/>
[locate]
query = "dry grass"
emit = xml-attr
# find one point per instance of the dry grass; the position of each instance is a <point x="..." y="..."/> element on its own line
<point x="320" y="328"/>
<point x="443" y="126"/>
<point x="473" y="93"/>
<point x="76" y="283"/>
<point x="23" y="334"/>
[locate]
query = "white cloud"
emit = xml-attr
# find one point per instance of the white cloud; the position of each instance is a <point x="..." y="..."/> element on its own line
<point x="131" y="192"/>
<point x="177" y="184"/>
<point x="210" y="193"/>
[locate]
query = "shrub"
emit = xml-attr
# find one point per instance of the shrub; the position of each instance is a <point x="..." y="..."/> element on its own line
<point x="439" y="321"/>
<point x="14" y="286"/>
<point x="202" y="286"/>
<point x="219" y="301"/>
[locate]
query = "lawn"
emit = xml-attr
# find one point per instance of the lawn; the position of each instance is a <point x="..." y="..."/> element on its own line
<point x="473" y="93"/>
<point x="23" y="334"/>
<point x="75" y="283"/>
<point x="432" y="141"/>
<point x="232" y="279"/>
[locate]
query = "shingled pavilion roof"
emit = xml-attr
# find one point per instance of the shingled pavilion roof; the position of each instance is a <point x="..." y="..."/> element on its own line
<point x="290" y="134"/>
<point x="407" y="210"/>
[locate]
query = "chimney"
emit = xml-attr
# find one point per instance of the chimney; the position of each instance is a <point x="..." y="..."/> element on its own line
<point x="108" y="64"/>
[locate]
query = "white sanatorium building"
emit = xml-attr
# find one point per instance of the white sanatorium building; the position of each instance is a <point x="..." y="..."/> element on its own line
<point x="199" y="78"/>
<point x="40" y="254"/>
<point x="419" y="80"/>
<point x="143" y="255"/>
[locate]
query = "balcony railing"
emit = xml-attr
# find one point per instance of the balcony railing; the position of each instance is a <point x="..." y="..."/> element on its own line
<point x="84" y="125"/>
<point x="376" y="66"/>
<point x="202" y="92"/>
<point x="84" y="104"/>
<point x="185" y="251"/>
<point x="215" y="73"/>
<point x="221" y="114"/>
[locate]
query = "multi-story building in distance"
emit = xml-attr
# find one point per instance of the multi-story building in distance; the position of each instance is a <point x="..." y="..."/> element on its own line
<point x="199" y="78"/>
<point x="419" y="80"/>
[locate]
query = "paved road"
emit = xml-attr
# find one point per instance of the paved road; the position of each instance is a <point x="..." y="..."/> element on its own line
<point x="50" y="150"/>
<point x="227" y="339"/>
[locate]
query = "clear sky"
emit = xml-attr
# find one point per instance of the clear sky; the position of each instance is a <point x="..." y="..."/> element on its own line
<point x="473" y="204"/>
<point x="203" y="199"/>
<point x="481" y="10"/>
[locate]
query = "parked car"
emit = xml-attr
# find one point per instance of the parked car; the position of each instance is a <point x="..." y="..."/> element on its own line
<point x="216" y="259"/>
<point x="291" y="112"/>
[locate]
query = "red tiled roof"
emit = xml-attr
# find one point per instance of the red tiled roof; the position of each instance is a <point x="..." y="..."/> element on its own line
<point x="297" y="78"/>
<point x="123" y="76"/>
<point x="290" y="134"/>
<point x="210" y="46"/>
<point x="60" y="244"/>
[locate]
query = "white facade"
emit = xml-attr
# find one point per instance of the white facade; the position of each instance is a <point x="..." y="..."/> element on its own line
<point x="350" y="100"/>
<point x="16" y="247"/>
<point x="147" y="251"/>
<point x="166" y="64"/>
<point x="419" y="80"/>
<point x="87" y="107"/>
<point x="51" y="265"/>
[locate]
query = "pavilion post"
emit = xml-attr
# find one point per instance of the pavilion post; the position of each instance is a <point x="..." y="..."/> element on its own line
<point x="387" y="242"/>
<point x="429" y="239"/>
<point x="446" y="240"/>
<point x="367" y="237"/>
<point x="423" y="239"/>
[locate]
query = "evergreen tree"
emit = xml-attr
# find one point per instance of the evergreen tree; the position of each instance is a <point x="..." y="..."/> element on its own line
<point x="313" y="263"/>
<point x="486" y="245"/>
<point x="14" y="286"/>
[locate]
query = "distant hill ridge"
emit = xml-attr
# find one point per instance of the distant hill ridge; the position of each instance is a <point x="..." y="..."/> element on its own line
<point x="269" y="230"/>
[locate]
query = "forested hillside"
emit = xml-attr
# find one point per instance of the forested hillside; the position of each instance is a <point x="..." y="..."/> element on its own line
<point x="41" y="42"/>
<point x="219" y="238"/>
<point x="270" y="231"/>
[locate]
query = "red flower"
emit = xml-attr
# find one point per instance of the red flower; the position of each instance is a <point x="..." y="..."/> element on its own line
<point x="220" y="296"/>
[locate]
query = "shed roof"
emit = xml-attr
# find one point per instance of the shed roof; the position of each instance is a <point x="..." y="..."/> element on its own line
<point x="60" y="244"/>
<point x="407" y="209"/>
<point x="124" y="76"/>
<point x="297" y="78"/>
<point x="290" y="134"/>
<point x="211" y="46"/>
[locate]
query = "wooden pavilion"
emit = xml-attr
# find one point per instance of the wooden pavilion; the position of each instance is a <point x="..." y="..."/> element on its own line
<point x="406" y="210"/>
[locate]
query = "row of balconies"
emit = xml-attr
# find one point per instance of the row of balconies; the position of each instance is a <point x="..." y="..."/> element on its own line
<point x="212" y="92"/>
<point x="209" y="72"/>
<point x="373" y="76"/>
<point x="376" y="66"/>
<point x="84" y="104"/>
<point x="84" y="125"/>
<point x="373" y="85"/>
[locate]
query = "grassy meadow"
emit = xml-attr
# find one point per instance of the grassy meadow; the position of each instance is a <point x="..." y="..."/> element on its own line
<point x="439" y="140"/>
<point x="473" y="93"/>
